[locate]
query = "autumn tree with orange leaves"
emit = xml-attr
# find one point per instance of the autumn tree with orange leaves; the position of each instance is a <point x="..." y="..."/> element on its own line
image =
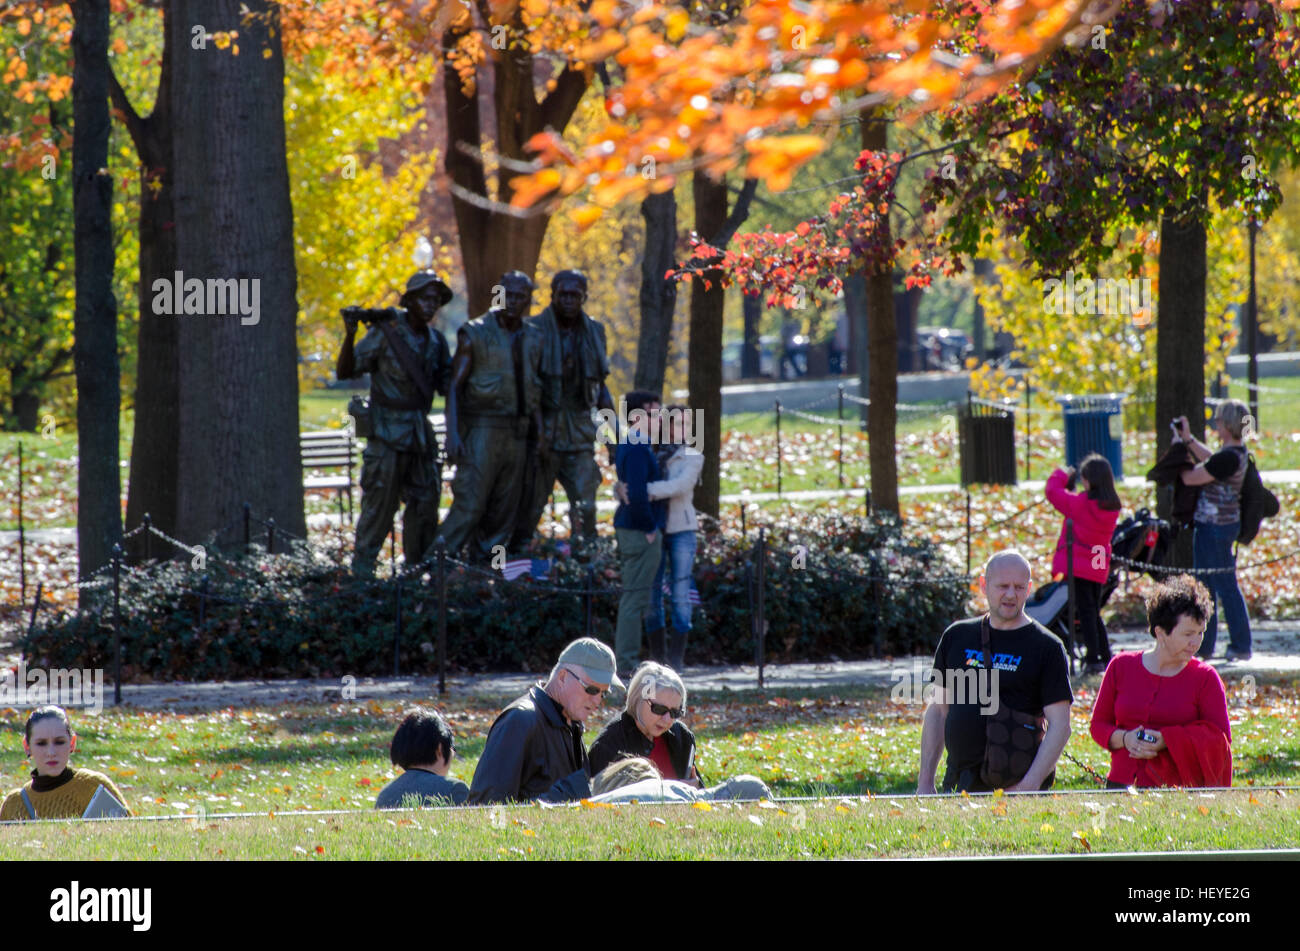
<point x="766" y="92"/>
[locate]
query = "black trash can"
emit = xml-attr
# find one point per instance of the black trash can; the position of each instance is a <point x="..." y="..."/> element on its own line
<point x="1094" y="424"/>
<point x="986" y="434"/>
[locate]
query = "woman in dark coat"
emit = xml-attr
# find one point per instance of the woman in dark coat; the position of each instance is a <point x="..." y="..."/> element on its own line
<point x="650" y="726"/>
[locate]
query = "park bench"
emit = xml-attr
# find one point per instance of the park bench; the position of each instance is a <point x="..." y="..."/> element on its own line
<point x="337" y="449"/>
<point x="334" y="449"/>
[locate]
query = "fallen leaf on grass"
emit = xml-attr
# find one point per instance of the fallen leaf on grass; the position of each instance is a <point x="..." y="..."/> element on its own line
<point x="656" y="821"/>
<point x="756" y="820"/>
<point x="702" y="806"/>
<point x="1082" y="839"/>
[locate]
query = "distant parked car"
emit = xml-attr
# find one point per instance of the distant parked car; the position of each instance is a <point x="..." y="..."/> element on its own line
<point x="943" y="348"/>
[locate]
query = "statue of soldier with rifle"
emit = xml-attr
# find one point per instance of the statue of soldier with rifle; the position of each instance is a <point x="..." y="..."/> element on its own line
<point x="408" y="361"/>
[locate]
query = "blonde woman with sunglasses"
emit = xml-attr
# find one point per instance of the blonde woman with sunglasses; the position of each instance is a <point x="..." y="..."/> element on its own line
<point x="651" y="726"/>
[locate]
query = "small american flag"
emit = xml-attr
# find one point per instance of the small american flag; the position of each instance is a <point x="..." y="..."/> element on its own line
<point x="537" y="567"/>
<point x="693" y="597"/>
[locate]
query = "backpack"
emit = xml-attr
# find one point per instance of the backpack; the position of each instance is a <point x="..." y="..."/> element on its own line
<point x="1257" y="503"/>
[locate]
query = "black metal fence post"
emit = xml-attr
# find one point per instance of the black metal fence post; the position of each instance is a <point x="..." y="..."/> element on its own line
<point x="270" y="536"/>
<point x="1029" y="422"/>
<point x="22" y="534"/>
<point x="589" y="595"/>
<point x="148" y="536"/>
<point x="36" y="605"/>
<point x="778" y="449"/>
<point x="1069" y="575"/>
<point x="203" y="603"/>
<point x="968" y="531"/>
<point x="248" y="538"/>
<point x="839" y="415"/>
<point x="442" y="614"/>
<point x="397" y="627"/>
<point x="760" y="582"/>
<point x="741" y="506"/>
<point x="117" y="625"/>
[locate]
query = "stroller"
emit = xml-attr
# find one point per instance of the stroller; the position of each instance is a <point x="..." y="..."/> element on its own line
<point x="1141" y="538"/>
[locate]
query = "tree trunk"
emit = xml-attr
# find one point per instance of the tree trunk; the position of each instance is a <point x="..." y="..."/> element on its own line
<point x="491" y="241"/>
<point x="882" y="332"/>
<point x="238" y="384"/>
<point x="983" y="272"/>
<point x="751" y="361"/>
<point x="1180" y="341"/>
<point x="153" y="488"/>
<point x="855" y="306"/>
<point x="705" y="347"/>
<point x="658" y="295"/>
<point x="26" y="407"/>
<point x="99" y="480"/>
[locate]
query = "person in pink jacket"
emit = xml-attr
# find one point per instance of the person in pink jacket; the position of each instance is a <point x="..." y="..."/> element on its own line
<point x="1094" y="511"/>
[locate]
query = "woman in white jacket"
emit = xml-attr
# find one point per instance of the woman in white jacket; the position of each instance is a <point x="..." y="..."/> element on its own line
<point x="684" y="466"/>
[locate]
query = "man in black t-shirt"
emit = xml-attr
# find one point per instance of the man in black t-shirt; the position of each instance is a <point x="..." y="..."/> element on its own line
<point x="1030" y="673"/>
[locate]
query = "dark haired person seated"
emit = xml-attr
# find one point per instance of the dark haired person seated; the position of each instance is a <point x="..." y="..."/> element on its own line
<point x="1162" y="712"/>
<point x="423" y="747"/>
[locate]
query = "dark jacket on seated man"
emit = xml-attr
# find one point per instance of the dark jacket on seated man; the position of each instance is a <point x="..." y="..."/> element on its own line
<point x="532" y="753"/>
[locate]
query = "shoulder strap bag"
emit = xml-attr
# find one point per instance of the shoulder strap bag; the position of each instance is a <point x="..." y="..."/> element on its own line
<point x="1011" y="737"/>
<point x="410" y="364"/>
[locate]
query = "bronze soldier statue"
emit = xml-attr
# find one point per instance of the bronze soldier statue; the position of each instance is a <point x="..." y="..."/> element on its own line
<point x="574" y="365"/>
<point x="493" y="398"/>
<point x="408" y="361"/>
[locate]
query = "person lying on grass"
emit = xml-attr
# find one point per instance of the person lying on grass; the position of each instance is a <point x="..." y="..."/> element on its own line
<point x="636" y="779"/>
<point x="423" y="748"/>
<point x="1162" y="712"/>
<point x="56" y="790"/>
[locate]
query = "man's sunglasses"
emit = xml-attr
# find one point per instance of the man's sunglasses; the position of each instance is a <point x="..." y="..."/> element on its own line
<point x="591" y="689"/>
<point x="658" y="709"/>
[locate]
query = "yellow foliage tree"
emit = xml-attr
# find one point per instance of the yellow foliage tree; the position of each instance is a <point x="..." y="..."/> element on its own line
<point x="355" y="184"/>
<point x="1087" y="334"/>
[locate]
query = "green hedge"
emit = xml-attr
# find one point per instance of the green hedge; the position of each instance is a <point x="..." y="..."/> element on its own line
<point x="309" y="618"/>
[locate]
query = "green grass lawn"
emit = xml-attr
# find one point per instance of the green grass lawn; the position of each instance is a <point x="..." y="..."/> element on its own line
<point x="876" y="827"/>
<point x="828" y="744"/>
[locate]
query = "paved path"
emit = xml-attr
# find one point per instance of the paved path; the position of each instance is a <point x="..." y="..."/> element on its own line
<point x="1277" y="651"/>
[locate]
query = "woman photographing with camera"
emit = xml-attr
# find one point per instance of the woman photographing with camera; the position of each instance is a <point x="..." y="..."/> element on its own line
<point x="1218" y="521"/>
<point x="1162" y="712"/>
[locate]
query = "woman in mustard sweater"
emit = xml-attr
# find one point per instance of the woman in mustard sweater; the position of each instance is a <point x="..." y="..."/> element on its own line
<point x="56" y="791"/>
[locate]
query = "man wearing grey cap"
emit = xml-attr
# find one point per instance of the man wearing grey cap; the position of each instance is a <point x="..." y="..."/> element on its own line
<point x="534" y="749"/>
<point x="408" y="361"/>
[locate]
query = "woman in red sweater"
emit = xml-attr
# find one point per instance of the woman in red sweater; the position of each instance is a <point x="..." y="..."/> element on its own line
<point x="1094" y="511"/>
<point x="1162" y="712"/>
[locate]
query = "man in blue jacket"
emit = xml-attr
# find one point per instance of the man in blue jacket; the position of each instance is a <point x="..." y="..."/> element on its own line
<point x="638" y="525"/>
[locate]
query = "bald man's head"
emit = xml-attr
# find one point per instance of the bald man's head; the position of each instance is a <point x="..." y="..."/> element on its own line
<point x="1005" y="583"/>
<point x="1009" y="559"/>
